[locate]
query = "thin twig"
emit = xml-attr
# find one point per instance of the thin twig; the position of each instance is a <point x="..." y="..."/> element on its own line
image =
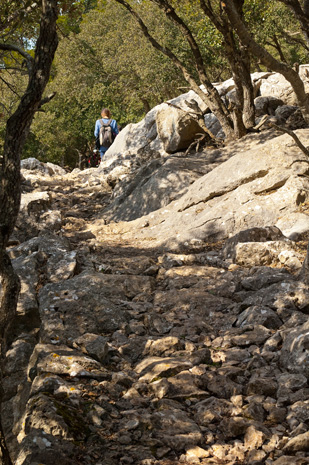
<point x="291" y="133"/>
<point x="47" y="99"/>
<point x="294" y="136"/>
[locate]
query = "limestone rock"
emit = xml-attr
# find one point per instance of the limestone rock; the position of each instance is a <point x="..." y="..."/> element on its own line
<point x="93" y="345"/>
<point x="176" y="129"/>
<point x="153" y="186"/>
<point x="163" y="345"/>
<point x="266" y="234"/>
<point x="267" y="253"/>
<point x="291" y="460"/>
<point x="213" y="125"/>
<point x="251" y="335"/>
<point x="176" y="429"/>
<point x="246" y="191"/>
<point x="277" y="86"/>
<point x="62" y="360"/>
<point x="266" y="105"/>
<point x="48" y="169"/>
<point x="253" y="438"/>
<point x="35" y="216"/>
<point x="298" y="443"/>
<point x="289" y="383"/>
<point x="213" y="410"/>
<point x="294" y="355"/>
<point x="153" y="367"/>
<point x="259" y="315"/>
<point x="64" y="306"/>
<point x="283" y="112"/>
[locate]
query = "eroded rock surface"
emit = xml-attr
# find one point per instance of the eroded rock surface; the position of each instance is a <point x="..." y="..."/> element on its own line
<point x="124" y="352"/>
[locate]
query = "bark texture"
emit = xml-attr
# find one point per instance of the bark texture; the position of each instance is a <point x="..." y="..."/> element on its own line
<point x="304" y="274"/>
<point x="301" y="13"/>
<point x="17" y="129"/>
<point x="239" y="60"/>
<point x="267" y="59"/>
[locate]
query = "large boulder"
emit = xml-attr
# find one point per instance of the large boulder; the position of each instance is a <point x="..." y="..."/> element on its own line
<point x="275" y="85"/>
<point x="36" y="215"/>
<point x="213" y="124"/>
<point x="87" y="304"/>
<point x="259" y="186"/>
<point x="47" y="169"/>
<point x="266" y="105"/>
<point x="154" y="185"/>
<point x="262" y="246"/>
<point x="139" y="143"/>
<point x="176" y="128"/>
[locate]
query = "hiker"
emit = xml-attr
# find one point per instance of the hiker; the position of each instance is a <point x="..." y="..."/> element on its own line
<point x="105" y="131"/>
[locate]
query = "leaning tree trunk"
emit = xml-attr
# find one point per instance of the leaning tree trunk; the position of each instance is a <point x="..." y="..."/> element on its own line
<point x="301" y="13"/>
<point x="266" y="58"/>
<point x="212" y="98"/>
<point x="17" y="129"/>
<point x="243" y="109"/>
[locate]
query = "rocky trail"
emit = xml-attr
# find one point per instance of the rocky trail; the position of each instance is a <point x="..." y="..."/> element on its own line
<point x="126" y="353"/>
<point x="162" y="318"/>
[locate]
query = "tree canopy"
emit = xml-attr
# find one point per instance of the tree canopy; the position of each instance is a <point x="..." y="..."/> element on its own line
<point x="104" y="59"/>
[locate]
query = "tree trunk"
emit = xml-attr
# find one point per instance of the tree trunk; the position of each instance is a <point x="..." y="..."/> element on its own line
<point x="239" y="60"/>
<point x="240" y="67"/>
<point x="213" y="100"/>
<point x="301" y="14"/>
<point x="305" y="26"/>
<point x="17" y="129"/>
<point x="277" y="46"/>
<point x="211" y="97"/>
<point x="267" y="59"/>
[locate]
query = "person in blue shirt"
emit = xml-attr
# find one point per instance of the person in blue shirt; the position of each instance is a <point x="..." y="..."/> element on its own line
<point x="106" y="117"/>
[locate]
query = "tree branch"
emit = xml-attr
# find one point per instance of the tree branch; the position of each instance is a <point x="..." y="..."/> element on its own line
<point x="47" y="99"/>
<point x="294" y="136"/>
<point x="19" y="14"/>
<point x="267" y="120"/>
<point x="9" y="86"/>
<point x="15" y="48"/>
<point x="301" y="14"/>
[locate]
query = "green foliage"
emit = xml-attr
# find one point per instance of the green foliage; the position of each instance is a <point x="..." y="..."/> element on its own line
<point x="103" y="60"/>
<point x="71" y="14"/>
<point x="105" y="66"/>
<point x="274" y="26"/>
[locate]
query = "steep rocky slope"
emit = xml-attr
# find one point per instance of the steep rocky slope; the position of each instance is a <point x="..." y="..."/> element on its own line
<point x="262" y="180"/>
<point x="135" y="346"/>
